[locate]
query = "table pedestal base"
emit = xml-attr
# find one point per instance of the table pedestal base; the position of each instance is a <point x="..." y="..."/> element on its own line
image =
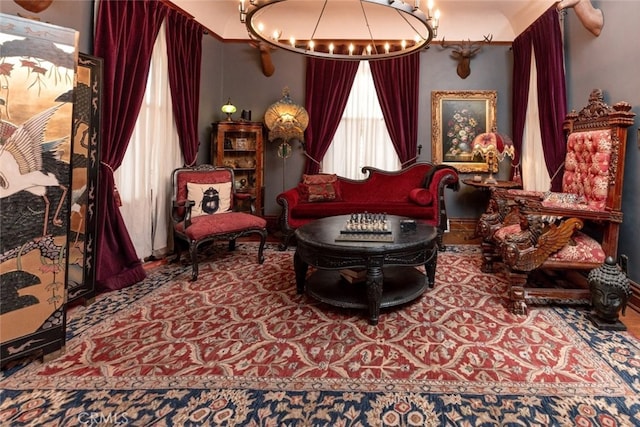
<point x="400" y="285"/>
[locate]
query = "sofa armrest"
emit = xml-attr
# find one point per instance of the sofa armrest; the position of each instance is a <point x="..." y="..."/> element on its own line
<point x="444" y="176"/>
<point x="289" y="198"/>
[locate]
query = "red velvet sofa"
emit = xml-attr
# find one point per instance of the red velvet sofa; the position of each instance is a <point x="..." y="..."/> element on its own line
<point x="416" y="191"/>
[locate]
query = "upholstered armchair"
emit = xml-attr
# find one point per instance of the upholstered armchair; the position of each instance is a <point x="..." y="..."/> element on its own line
<point x="563" y="233"/>
<point x="204" y="210"/>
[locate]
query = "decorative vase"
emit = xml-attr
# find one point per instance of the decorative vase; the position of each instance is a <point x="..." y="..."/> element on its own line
<point x="464" y="147"/>
<point x="610" y="292"/>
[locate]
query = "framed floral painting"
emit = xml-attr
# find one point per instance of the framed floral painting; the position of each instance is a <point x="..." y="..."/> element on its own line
<point x="458" y="116"/>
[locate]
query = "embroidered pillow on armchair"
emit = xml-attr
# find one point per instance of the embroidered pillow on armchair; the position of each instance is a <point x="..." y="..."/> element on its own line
<point x="209" y="198"/>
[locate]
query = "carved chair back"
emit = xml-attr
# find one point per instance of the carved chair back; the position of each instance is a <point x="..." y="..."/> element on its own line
<point x="594" y="163"/>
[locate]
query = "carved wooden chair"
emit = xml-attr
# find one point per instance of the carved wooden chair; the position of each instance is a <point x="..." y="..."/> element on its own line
<point x="203" y="206"/>
<point x="563" y="233"/>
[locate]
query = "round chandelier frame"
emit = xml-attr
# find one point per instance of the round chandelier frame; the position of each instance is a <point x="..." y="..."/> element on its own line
<point x="369" y="44"/>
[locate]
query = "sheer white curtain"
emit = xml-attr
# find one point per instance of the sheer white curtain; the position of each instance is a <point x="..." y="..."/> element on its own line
<point x="362" y="138"/>
<point x="534" y="170"/>
<point x="144" y="177"/>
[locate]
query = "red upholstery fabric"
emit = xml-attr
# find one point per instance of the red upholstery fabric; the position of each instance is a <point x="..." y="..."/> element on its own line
<point x="567" y="200"/>
<point x="313" y="210"/>
<point x="506" y="231"/>
<point x="198" y="177"/>
<point x="208" y="225"/>
<point x="421" y="196"/>
<point x="585" y="249"/>
<point x="326" y="192"/>
<point x="390" y="188"/>
<point x="321" y="178"/>
<point x="587" y="166"/>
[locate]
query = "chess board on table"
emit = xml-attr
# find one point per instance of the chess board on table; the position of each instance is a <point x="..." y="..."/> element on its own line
<point x="366" y="227"/>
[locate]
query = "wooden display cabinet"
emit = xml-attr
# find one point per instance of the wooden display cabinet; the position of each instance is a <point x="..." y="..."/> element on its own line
<point x="239" y="145"/>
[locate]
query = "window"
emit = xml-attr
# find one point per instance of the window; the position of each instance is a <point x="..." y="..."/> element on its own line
<point x="153" y="152"/>
<point x="362" y="138"/>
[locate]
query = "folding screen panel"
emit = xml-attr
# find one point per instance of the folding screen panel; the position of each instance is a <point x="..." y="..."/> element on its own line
<point x="85" y="140"/>
<point x="37" y="74"/>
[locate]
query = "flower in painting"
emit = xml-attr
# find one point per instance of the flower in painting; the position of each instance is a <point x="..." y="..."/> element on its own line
<point x="462" y="128"/>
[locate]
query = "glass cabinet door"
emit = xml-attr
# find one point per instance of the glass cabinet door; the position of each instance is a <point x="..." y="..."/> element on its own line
<point x="238" y="145"/>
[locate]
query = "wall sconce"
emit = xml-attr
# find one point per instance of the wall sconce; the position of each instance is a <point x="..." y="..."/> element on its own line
<point x="493" y="147"/>
<point x="228" y="109"/>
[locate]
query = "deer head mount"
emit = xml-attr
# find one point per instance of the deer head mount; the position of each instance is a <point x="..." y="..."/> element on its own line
<point x="464" y="51"/>
<point x="265" y="56"/>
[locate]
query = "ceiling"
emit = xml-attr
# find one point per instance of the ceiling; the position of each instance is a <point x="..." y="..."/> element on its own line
<point x="460" y="19"/>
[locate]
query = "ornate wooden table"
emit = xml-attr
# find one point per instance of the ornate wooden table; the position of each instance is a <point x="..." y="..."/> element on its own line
<point x="390" y="277"/>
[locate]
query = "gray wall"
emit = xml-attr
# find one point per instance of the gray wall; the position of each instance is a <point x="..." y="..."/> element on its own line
<point x="611" y="62"/>
<point x="248" y="88"/>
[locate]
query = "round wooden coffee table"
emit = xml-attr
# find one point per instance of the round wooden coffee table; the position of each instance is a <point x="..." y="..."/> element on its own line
<point x="390" y="277"/>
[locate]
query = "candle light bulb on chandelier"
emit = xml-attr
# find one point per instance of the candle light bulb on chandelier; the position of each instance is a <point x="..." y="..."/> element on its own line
<point x="367" y="42"/>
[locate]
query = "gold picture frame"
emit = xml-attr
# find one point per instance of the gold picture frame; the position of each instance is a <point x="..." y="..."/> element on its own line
<point x="458" y="116"/>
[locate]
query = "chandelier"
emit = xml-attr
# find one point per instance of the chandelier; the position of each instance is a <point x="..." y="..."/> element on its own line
<point x="341" y="29"/>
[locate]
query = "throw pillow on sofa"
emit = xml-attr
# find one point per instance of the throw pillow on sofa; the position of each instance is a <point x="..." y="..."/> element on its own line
<point x="209" y="198"/>
<point x="421" y="196"/>
<point x="320" y="188"/>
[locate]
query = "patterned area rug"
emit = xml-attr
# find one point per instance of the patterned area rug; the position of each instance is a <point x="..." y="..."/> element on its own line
<point x="241" y="347"/>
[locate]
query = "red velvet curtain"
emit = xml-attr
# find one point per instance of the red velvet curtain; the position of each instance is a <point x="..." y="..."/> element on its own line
<point x="184" y="51"/>
<point x="328" y="84"/>
<point x="520" y="92"/>
<point x="546" y="38"/>
<point x="397" y="84"/>
<point x="125" y="34"/>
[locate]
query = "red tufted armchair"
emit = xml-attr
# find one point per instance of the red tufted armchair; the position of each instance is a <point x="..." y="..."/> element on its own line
<point x="561" y="233"/>
<point x="204" y="210"/>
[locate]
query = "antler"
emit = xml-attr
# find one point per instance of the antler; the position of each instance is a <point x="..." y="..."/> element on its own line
<point x="443" y="45"/>
<point x="464" y="51"/>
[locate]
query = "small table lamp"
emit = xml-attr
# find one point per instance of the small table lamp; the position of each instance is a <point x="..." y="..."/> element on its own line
<point x="493" y="147"/>
<point x="228" y="109"/>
